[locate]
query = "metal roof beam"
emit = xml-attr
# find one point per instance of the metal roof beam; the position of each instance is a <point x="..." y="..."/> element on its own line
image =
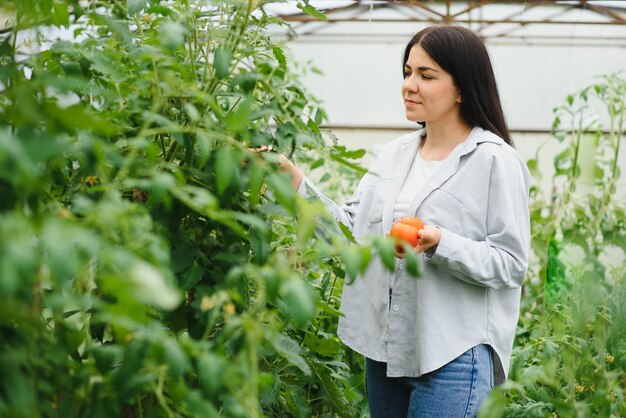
<point x="425" y="7"/>
<point x="474" y="5"/>
<point x="605" y="11"/>
<point x="548" y="18"/>
<point x="488" y="21"/>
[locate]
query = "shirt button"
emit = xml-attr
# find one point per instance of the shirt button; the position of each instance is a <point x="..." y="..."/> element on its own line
<point x="395" y="308"/>
<point x="400" y="267"/>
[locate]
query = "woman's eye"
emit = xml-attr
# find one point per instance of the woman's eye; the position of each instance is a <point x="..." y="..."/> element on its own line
<point x="426" y="77"/>
<point x="406" y="74"/>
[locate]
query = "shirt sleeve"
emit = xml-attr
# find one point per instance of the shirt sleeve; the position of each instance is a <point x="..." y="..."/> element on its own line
<point x="344" y="212"/>
<point x="501" y="259"/>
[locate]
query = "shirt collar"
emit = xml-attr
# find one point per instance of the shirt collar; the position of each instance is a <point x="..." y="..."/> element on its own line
<point x="476" y="136"/>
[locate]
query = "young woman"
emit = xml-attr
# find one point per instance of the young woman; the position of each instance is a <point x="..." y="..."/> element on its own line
<point x="435" y="346"/>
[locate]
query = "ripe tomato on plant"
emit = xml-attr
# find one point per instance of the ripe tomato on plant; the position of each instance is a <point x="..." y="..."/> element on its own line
<point x="406" y="230"/>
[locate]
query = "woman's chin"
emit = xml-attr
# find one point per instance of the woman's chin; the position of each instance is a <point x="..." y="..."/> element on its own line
<point x="410" y="116"/>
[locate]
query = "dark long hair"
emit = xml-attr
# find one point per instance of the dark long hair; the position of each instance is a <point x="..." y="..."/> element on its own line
<point x="462" y="54"/>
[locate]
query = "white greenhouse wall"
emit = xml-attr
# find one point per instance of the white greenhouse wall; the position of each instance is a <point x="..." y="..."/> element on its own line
<point x="360" y="85"/>
<point x="360" y="90"/>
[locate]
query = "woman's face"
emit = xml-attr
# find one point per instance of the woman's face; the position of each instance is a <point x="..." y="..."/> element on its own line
<point x="428" y="91"/>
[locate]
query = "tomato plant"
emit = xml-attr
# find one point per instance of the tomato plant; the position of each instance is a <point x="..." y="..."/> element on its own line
<point x="570" y="353"/>
<point x="149" y="263"/>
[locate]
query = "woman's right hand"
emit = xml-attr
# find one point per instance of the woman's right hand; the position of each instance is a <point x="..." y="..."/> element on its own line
<point x="284" y="165"/>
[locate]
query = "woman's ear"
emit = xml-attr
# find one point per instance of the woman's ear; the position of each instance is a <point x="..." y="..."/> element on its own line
<point x="459" y="98"/>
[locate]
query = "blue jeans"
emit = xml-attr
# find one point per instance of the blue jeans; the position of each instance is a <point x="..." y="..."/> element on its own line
<point x="455" y="390"/>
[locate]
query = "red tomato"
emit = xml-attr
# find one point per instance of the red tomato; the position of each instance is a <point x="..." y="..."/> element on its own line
<point x="406" y="230"/>
<point x="416" y="222"/>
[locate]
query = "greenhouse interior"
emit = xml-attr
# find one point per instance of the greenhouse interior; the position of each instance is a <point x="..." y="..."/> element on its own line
<point x="541" y="51"/>
<point x="241" y="208"/>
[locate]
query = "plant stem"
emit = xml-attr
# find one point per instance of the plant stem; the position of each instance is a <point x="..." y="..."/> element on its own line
<point x="620" y="129"/>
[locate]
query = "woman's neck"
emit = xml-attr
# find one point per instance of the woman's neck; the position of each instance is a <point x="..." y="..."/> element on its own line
<point x="441" y="139"/>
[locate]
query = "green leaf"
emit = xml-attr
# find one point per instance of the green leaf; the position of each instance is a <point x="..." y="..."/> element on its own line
<point x="205" y="145"/>
<point x="312" y="11"/>
<point x="192" y="112"/>
<point x="412" y="263"/>
<point x="159" y="9"/>
<point x="272" y="283"/>
<point x="198" y="406"/>
<point x="326" y="346"/>
<point x="280" y="56"/>
<point x="258" y="224"/>
<point x="319" y="116"/>
<point x="387" y="252"/>
<point x="495" y="404"/>
<point x="342" y="151"/>
<point x="349" y="164"/>
<point x="19" y="393"/>
<point x="196" y="198"/>
<point x="555" y="269"/>
<point x="318" y="163"/>
<point x="366" y="257"/>
<point x="210" y="372"/>
<point x="191" y="278"/>
<point x="295" y="401"/>
<point x="283" y="190"/>
<point x="79" y="117"/>
<point x="598" y="173"/>
<point x="175" y="357"/>
<point x="238" y="119"/>
<point x="106" y="356"/>
<point x="290" y="350"/>
<point x="347" y="233"/>
<point x="61" y="15"/>
<point x="339" y="401"/>
<point x="258" y="236"/>
<point x="46" y="5"/>
<point x="256" y="179"/>
<point x="225" y="169"/>
<point x="351" y="257"/>
<point x="533" y="168"/>
<point x="246" y="81"/>
<point x="308" y="220"/>
<point x="269" y="387"/>
<point x="172" y="34"/>
<point x="151" y="287"/>
<point x="105" y="66"/>
<point x="221" y="62"/>
<point x="135" y="6"/>
<point x="300" y="301"/>
<point x="114" y="25"/>
<point x="329" y="309"/>
<point x="126" y="377"/>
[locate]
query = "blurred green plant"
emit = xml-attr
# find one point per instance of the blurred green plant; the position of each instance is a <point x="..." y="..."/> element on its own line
<point x="149" y="262"/>
<point x="569" y="358"/>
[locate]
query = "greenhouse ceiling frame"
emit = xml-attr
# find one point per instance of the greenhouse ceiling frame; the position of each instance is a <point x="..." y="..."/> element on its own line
<point x="472" y="12"/>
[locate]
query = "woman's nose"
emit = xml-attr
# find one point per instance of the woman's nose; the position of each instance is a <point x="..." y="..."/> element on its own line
<point x="411" y="84"/>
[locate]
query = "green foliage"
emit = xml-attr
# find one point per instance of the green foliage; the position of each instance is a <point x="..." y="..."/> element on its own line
<point x="569" y="358"/>
<point x="149" y="262"/>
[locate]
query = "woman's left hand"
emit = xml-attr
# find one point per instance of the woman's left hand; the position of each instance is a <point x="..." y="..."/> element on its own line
<point x="428" y="238"/>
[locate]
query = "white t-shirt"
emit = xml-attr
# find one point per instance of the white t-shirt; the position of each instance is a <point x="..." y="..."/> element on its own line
<point x="420" y="172"/>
